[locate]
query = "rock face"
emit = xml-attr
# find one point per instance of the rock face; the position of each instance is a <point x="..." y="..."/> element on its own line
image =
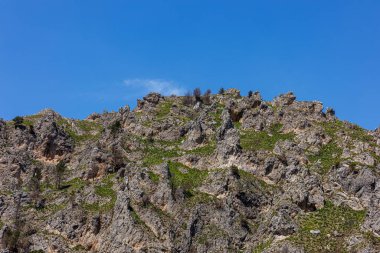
<point x="224" y="173"/>
<point x="228" y="142"/>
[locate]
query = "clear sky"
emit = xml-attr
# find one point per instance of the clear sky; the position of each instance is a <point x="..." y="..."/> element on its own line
<point x="81" y="56"/>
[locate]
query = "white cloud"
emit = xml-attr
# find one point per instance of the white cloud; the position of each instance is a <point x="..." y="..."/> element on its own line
<point x="163" y="87"/>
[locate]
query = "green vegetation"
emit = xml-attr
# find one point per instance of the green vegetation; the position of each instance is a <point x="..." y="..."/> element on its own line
<point x="164" y="109"/>
<point x="136" y="217"/>
<point x="28" y="122"/>
<point x="88" y="126"/>
<point x="181" y="175"/>
<point x="354" y="131"/>
<point x="79" y="247"/>
<point x="74" y="184"/>
<point x="237" y="125"/>
<point x="328" y="156"/>
<point x="53" y="208"/>
<point x="262" y="246"/>
<point x="217" y="115"/>
<point x="206" y="150"/>
<point x="211" y="232"/>
<point x="58" y="173"/>
<point x="333" y="222"/>
<point x="103" y="190"/>
<point x="37" y="251"/>
<point x="115" y="126"/>
<point x="1" y="224"/>
<point x="154" y="177"/>
<point x="262" y="140"/>
<point x="196" y="198"/>
<point x="157" y="154"/>
<point x="18" y="120"/>
<point x="89" y="130"/>
<point x="251" y="177"/>
<point x="186" y="178"/>
<point x="372" y="239"/>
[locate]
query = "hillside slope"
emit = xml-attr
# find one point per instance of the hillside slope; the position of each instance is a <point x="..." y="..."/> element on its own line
<point x="223" y="173"/>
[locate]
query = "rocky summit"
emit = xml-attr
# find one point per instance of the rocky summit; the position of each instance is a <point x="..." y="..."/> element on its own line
<point x="203" y="173"/>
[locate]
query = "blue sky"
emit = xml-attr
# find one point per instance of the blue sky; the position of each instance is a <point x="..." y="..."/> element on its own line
<point x="78" y="57"/>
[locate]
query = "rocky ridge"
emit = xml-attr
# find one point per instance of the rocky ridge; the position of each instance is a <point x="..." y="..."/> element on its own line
<point x="227" y="174"/>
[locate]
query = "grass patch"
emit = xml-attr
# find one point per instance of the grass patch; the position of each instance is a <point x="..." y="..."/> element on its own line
<point x="157" y="151"/>
<point x="79" y="247"/>
<point x="155" y="155"/>
<point x="154" y="177"/>
<point x="328" y="156"/>
<point x="53" y="208"/>
<point x="164" y="109"/>
<point x="217" y="115"/>
<point x="262" y="246"/>
<point x="263" y="140"/>
<point x="186" y="178"/>
<point x="250" y="177"/>
<point x="332" y="127"/>
<point x="88" y="126"/>
<point x="103" y="190"/>
<point x="89" y="130"/>
<point x="196" y="198"/>
<point x="30" y="120"/>
<point x="74" y="184"/>
<point x="204" y="150"/>
<point x="333" y="222"/>
<point x="354" y="131"/>
<point x="136" y="217"/>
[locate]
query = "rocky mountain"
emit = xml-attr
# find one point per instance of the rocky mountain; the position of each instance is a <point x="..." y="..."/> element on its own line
<point x="213" y="173"/>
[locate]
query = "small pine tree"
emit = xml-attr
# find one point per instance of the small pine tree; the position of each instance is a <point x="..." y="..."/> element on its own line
<point x="35" y="185"/>
<point x="250" y="93"/>
<point x="221" y="91"/>
<point x="59" y="171"/>
<point x="117" y="158"/>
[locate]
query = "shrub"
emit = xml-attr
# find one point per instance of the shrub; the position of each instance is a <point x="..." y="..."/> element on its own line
<point x="250" y="93"/>
<point x="35" y="185"/>
<point x="18" y="120"/>
<point x="115" y="127"/>
<point x="221" y="91"/>
<point x="59" y="171"/>
<point x="197" y="94"/>
<point x="206" y="97"/>
<point x="187" y="99"/>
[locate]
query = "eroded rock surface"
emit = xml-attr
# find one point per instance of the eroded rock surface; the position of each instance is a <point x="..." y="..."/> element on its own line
<point x="224" y="173"/>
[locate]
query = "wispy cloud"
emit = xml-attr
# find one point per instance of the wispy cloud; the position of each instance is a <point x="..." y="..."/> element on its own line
<point x="163" y="87"/>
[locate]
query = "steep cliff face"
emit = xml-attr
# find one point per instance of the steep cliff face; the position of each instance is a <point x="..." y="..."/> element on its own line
<point x="229" y="174"/>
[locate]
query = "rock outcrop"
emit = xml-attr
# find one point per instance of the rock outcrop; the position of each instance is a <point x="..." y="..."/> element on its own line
<point x="223" y="173"/>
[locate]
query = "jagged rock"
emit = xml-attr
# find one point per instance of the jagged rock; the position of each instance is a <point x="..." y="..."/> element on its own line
<point x="169" y="177"/>
<point x="228" y="141"/>
<point x="195" y="136"/>
<point x="51" y="139"/>
<point x="232" y="92"/>
<point x="282" y="223"/>
<point x="285" y="99"/>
